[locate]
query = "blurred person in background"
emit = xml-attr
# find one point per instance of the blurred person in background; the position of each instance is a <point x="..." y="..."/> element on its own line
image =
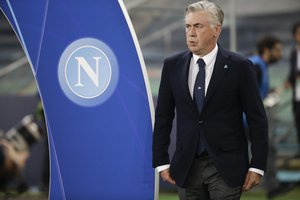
<point x="269" y="51"/>
<point x="14" y="150"/>
<point x="294" y="80"/>
<point x="210" y="88"/>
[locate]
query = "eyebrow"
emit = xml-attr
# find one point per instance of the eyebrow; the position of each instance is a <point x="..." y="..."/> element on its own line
<point x="194" y="24"/>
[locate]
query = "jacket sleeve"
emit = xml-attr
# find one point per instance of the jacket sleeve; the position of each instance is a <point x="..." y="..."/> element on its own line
<point x="164" y="115"/>
<point x="257" y="121"/>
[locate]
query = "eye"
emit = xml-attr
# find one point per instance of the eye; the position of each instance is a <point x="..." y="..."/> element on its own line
<point x="198" y="26"/>
<point x="187" y="26"/>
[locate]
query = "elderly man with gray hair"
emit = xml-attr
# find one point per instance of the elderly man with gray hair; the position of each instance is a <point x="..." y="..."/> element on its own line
<point x="210" y="88"/>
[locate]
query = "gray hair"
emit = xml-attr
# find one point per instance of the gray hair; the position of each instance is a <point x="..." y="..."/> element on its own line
<point x="215" y="11"/>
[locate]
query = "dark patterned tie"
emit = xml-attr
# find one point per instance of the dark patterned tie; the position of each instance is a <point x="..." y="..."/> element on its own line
<point x="199" y="96"/>
<point x="199" y="88"/>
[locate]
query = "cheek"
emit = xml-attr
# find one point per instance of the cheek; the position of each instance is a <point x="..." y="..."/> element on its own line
<point x="205" y="36"/>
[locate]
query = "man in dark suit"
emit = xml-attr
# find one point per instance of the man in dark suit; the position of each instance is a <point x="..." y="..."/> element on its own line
<point x="294" y="80"/>
<point x="210" y="88"/>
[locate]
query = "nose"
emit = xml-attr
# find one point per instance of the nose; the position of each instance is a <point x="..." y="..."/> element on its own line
<point x="192" y="32"/>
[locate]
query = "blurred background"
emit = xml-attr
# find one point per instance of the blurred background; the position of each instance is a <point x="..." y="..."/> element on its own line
<point x="160" y="28"/>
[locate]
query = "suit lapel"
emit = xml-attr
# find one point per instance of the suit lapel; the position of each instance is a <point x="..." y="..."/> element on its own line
<point x="184" y="65"/>
<point x="220" y="70"/>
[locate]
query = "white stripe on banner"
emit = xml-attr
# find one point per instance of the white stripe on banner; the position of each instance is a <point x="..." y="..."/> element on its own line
<point x="51" y="142"/>
<point x="42" y="37"/>
<point x="146" y="79"/>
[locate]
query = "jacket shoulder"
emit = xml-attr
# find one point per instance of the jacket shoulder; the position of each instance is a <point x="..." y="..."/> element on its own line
<point x="236" y="57"/>
<point x="239" y="61"/>
<point x="177" y="56"/>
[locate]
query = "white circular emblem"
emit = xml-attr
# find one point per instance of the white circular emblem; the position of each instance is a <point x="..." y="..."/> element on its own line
<point x="88" y="72"/>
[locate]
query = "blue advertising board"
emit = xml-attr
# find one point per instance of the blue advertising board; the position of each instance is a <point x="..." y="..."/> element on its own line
<point x="92" y="80"/>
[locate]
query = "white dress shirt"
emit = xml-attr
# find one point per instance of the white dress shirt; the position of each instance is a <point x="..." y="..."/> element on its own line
<point x="209" y="60"/>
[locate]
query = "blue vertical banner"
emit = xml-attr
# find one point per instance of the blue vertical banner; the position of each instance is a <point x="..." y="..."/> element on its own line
<point x="92" y="81"/>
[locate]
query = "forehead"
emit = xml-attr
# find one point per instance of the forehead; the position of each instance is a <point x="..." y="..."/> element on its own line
<point x="197" y="17"/>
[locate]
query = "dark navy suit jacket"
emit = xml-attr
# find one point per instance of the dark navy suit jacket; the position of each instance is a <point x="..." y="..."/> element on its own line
<point x="233" y="89"/>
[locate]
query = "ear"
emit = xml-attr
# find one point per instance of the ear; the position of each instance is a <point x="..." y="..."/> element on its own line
<point x="217" y="31"/>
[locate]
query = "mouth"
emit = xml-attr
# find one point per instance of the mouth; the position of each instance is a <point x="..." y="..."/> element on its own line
<point x="191" y="43"/>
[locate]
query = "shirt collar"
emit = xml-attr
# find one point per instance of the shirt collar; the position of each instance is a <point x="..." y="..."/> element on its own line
<point x="208" y="58"/>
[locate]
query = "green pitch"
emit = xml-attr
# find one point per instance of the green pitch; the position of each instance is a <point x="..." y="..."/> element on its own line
<point x="253" y="195"/>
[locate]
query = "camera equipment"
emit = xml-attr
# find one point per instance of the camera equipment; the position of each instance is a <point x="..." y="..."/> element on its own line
<point x="24" y="134"/>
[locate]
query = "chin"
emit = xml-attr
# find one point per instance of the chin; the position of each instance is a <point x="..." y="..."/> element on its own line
<point x="192" y="49"/>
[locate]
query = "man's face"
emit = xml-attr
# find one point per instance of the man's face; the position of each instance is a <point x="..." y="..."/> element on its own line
<point x="297" y="36"/>
<point x="275" y="53"/>
<point x="201" y="37"/>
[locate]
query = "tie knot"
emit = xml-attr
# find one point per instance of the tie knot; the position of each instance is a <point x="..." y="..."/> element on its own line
<point x="201" y="63"/>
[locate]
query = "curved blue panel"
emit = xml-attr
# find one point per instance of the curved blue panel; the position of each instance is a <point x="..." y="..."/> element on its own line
<point x="92" y="85"/>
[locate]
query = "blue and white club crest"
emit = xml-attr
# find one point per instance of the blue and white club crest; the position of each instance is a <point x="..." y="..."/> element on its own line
<point x="88" y="72"/>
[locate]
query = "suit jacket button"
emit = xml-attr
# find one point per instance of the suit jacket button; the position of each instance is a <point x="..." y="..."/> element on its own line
<point x="200" y="122"/>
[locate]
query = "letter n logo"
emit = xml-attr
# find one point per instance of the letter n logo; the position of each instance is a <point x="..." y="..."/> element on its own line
<point x="93" y="75"/>
<point x="88" y="72"/>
